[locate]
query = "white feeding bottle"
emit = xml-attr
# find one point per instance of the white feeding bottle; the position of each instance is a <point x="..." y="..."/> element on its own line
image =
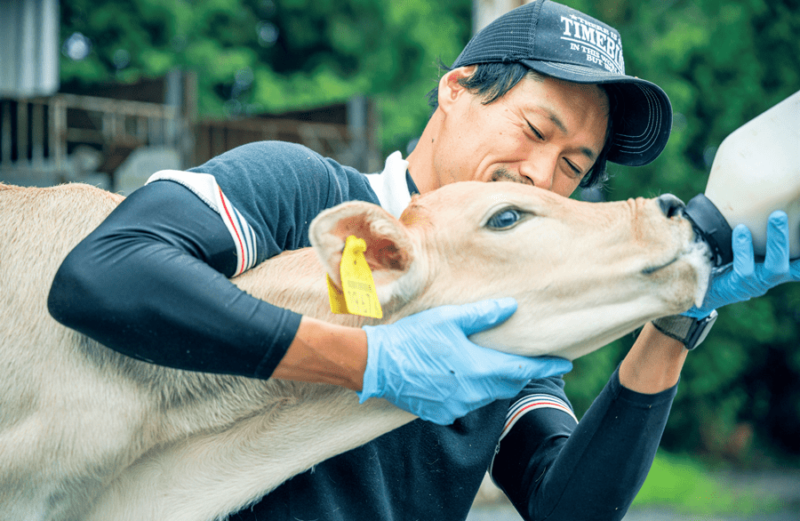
<point x="756" y="171"/>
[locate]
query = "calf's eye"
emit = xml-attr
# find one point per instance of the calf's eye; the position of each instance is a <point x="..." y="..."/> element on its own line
<point x="503" y="219"/>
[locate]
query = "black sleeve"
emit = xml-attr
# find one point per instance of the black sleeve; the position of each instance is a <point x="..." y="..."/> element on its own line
<point x="150" y="282"/>
<point x="552" y="468"/>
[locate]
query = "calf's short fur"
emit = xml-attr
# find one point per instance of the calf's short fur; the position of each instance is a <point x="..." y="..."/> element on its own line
<point x="88" y="434"/>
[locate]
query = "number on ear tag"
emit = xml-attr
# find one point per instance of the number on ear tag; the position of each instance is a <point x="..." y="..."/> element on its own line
<point x="358" y="287"/>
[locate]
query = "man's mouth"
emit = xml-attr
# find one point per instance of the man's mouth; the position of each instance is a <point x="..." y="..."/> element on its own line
<point x="503" y="175"/>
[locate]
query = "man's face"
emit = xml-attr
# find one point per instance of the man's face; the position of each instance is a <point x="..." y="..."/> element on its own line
<point x="547" y="133"/>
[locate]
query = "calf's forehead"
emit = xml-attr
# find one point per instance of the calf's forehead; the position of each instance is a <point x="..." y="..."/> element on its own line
<point x="472" y="201"/>
<point x="456" y="215"/>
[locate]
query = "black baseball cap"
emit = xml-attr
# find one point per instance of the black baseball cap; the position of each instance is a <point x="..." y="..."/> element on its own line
<point x="558" y="41"/>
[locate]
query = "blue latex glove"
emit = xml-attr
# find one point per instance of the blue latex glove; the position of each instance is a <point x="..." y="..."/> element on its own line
<point x="425" y="364"/>
<point x="744" y="278"/>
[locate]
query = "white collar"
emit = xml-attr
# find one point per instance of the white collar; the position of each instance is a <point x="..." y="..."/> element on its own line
<point x="391" y="186"/>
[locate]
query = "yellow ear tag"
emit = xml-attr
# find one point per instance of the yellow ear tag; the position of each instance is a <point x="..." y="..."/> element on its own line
<point x="358" y="295"/>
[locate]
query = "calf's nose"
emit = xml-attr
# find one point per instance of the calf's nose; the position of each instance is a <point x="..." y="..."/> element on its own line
<point x="670" y="205"/>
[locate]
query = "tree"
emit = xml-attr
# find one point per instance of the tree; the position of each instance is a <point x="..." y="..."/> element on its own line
<point x="262" y="56"/>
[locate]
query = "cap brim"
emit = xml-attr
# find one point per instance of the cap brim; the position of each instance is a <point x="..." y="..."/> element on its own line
<point x="642" y="115"/>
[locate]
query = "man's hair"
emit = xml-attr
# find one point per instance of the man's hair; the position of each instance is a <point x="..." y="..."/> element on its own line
<point x="491" y="81"/>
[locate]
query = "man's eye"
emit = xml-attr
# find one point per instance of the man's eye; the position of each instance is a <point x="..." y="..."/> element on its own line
<point x="535" y="132"/>
<point x="503" y="219"/>
<point x="575" y="170"/>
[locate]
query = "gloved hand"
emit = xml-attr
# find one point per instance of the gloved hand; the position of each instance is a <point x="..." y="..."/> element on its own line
<point x="744" y="278"/>
<point x="425" y="364"/>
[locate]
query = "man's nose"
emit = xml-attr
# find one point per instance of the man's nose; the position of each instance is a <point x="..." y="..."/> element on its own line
<point x="540" y="171"/>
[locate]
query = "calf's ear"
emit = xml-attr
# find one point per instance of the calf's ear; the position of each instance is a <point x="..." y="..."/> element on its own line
<point x="390" y="250"/>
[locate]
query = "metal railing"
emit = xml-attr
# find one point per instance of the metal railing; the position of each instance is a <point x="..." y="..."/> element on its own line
<point x="39" y="136"/>
<point x="37" y="133"/>
<point x="214" y="137"/>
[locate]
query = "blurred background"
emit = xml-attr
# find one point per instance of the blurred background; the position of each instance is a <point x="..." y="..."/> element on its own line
<point x="108" y="92"/>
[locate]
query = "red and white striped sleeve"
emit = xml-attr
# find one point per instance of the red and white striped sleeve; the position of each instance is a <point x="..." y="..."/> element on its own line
<point x="206" y="188"/>
<point x="531" y="403"/>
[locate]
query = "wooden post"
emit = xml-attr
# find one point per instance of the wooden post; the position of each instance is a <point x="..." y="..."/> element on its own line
<point x="141" y="129"/>
<point x="5" y="138"/>
<point x="37" y="134"/>
<point x="58" y="132"/>
<point x="217" y="140"/>
<point x="22" y="131"/>
<point x="485" y="11"/>
<point x="188" y="139"/>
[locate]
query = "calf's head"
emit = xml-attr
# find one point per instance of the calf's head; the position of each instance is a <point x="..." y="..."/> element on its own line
<point x="583" y="274"/>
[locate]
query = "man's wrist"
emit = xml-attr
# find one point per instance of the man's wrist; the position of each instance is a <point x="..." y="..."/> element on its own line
<point x="325" y="353"/>
<point x="653" y="364"/>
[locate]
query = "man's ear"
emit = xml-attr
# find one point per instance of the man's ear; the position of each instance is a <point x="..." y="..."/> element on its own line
<point x="390" y="251"/>
<point x="449" y="87"/>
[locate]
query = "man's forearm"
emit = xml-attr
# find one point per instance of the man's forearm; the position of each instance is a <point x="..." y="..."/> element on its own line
<point x="595" y="470"/>
<point x="654" y="363"/>
<point x="553" y="469"/>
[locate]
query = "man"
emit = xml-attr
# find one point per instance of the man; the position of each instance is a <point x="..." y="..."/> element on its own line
<point x="540" y="97"/>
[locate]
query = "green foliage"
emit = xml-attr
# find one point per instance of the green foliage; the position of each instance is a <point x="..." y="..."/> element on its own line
<point x="721" y="62"/>
<point x="256" y="56"/>
<point x="684" y="485"/>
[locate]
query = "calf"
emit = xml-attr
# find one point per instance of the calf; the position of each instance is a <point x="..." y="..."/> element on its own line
<point x="86" y="433"/>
